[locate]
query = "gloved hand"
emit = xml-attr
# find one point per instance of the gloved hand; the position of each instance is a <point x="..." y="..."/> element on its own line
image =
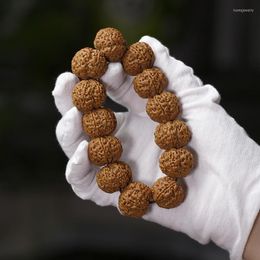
<point x="223" y="197"/>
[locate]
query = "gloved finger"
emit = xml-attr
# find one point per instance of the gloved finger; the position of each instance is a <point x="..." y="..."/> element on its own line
<point x="69" y="131"/>
<point x="180" y="76"/>
<point x="118" y="85"/>
<point x="113" y="77"/>
<point x="120" y="118"/>
<point x="79" y="166"/>
<point x="81" y="174"/>
<point x="62" y="91"/>
<point x="120" y="89"/>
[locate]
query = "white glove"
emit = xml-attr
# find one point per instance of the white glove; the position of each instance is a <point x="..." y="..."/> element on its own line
<point x="223" y="197"/>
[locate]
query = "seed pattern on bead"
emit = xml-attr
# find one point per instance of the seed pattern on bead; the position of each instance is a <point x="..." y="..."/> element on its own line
<point x="168" y="193"/>
<point x="99" y="122"/>
<point x="114" y="177"/>
<point x="134" y="199"/>
<point x="103" y="150"/>
<point x="172" y="134"/>
<point x="138" y="57"/>
<point x="111" y="42"/>
<point x="88" y="95"/>
<point x="176" y="162"/>
<point x="163" y="107"/>
<point x="150" y="82"/>
<point x="89" y="63"/>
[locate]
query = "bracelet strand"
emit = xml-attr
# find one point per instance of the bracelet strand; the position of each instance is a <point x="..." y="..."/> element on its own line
<point x="99" y="123"/>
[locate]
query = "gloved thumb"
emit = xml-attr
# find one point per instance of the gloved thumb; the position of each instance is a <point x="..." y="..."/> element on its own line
<point x="113" y="77"/>
<point x="119" y="88"/>
<point x="117" y="84"/>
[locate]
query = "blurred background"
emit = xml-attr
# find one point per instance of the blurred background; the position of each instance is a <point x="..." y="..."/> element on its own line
<point x="41" y="218"/>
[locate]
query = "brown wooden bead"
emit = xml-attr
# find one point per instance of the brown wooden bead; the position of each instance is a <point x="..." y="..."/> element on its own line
<point x="114" y="177"/>
<point x="134" y="199"/>
<point x="89" y="63"/>
<point x="111" y="42"/>
<point x="88" y="95"/>
<point x="138" y="57"/>
<point x="172" y="134"/>
<point x="99" y="122"/>
<point x="103" y="150"/>
<point x="168" y="192"/>
<point x="176" y="162"/>
<point x="150" y="82"/>
<point x="163" y="107"/>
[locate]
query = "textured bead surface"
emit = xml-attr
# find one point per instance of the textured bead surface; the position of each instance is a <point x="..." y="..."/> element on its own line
<point x="99" y="122"/>
<point x="172" y="134"/>
<point x="168" y="192"/>
<point x="134" y="200"/>
<point x="111" y="42"/>
<point x="114" y="177"/>
<point x="103" y="150"/>
<point x="89" y="63"/>
<point x="163" y="107"/>
<point x="176" y="162"/>
<point x="150" y="82"/>
<point x="88" y="94"/>
<point x="138" y="57"/>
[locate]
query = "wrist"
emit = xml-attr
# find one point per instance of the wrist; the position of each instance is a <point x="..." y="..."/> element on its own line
<point x="251" y="251"/>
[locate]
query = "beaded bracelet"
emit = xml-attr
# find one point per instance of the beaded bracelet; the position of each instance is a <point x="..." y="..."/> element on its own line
<point x="99" y="123"/>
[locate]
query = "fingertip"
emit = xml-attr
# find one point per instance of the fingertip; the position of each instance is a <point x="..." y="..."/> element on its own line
<point x="79" y="164"/>
<point x="69" y="127"/>
<point x="62" y="91"/>
<point x="69" y="131"/>
<point x="83" y="146"/>
<point x="80" y="156"/>
<point x="106" y="198"/>
<point x="120" y="118"/>
<point x="148" y="39"/>
<point x="62" y="79"/>
<point x="114" y="76"/>
<point x="157" y="47"/>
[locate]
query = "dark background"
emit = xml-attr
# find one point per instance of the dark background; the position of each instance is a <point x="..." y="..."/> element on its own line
<point x="40" y="217"/>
